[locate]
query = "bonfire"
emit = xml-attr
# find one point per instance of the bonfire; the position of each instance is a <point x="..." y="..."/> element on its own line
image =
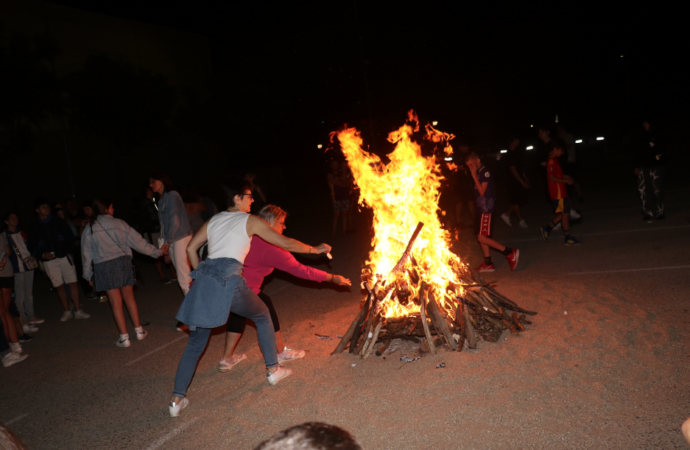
<point x="417" y="288"/>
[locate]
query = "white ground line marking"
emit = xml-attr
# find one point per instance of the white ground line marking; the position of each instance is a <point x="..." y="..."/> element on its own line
<point x="630" y="270"/>
<point x="16" y="419"/>
<point x="184" y="335"/>
<point x="608" y="232"/>
<point x="171" y="435"/>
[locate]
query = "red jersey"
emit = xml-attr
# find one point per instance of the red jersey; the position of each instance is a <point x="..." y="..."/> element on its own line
<point x="557" y="190"/>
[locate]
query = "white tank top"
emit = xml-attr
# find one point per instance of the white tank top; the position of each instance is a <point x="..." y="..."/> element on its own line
<point x="227" y="236"/>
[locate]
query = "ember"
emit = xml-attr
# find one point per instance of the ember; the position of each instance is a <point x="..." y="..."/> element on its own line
<point x="412" y="278"/>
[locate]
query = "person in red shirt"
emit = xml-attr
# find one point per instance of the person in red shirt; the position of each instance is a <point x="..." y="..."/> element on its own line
<point x="559" y="194"/>
<point x="261" y="260"/>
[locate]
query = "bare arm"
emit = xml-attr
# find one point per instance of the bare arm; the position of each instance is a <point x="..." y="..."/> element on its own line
<point x="517" y="176"/>
<point x="256" y="226"/>
<point x="195" y="244"/>
<point x="566" y="179"/>
<point x="481" y="187"/>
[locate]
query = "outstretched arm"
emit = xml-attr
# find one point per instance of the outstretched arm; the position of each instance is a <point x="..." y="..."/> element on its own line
<point x="256" y="226"/>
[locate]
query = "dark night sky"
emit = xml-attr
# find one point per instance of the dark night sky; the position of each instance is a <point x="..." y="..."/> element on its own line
<point x="479" y="69"/>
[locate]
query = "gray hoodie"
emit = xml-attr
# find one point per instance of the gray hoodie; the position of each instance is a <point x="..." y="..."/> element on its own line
<point x="111" y="238"/>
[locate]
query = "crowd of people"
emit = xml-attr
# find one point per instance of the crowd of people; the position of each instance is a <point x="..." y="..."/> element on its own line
<point x="219" y="260"/>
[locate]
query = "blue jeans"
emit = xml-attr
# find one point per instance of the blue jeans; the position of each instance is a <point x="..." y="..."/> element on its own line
<point x="244" y="303"/>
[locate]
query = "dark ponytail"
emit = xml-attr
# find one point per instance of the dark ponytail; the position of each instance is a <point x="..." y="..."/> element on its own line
<point x="235" y="188"/>
<point x="99" y="205"/>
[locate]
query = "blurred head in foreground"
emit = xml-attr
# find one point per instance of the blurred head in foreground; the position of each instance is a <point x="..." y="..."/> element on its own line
<point x="9" y="441"/>
<point x="311" y="436"/>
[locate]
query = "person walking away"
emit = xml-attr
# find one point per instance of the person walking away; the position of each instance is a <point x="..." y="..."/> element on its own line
<point x="650" y="171"/>
<point x="23" y="265"/>
<point x="518" y="184"/>
<point x="175" y="230"/>
<point x="6" y="287"/>
<point x="50" y="241"/>
<point x="485" y="199"/>
<point x="571" y="160"/>
<point x="108" y="243"/>
<point x="464" y="185"/>
<point x="151" y="231"/>
<point x="261" y="260"/>
<point x="219" y="287"/>
<point x="558" y="193"/>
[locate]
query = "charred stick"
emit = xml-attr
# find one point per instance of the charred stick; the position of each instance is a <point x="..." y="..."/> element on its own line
<point x="469" y="329"/>
<point x="374" y="340"/>
<point x="439" y="321"/>
<point x="383" y="348"/>
<point x="517" y="322"/>
<point x="353" y="332"/>
<point x="427" y="333"/>
<point x="406" y="254"/>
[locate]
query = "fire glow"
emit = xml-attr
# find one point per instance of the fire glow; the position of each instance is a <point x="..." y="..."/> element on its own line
<point x="402" y="194"/>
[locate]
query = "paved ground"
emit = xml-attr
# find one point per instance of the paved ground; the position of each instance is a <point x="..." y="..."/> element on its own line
<point x="605" y="364"/>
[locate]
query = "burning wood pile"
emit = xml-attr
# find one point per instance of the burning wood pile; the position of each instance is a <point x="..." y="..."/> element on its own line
<point x="417" y="288"/>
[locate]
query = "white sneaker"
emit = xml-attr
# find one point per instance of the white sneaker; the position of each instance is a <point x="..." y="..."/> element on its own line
<point x="574" y="214"/>
<point x="123" y="342"/>
<point x="28" y="328"/>
<point x="141" y="336"/>
<point x="36" y="321"/>
<point x="506" y="219"/>
<point x="176" y="408"/>
<point x="13" y="358"/>
<point x="81" y="314"/>
<point x="67" y="315"/>
<point x="275" y="377"/>
<point x="523" y="224"/>
<point x="557" y="227"/>
<point x="16" y="347"/>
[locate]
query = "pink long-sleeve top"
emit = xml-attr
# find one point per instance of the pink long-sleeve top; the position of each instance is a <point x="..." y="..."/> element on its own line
<point x="264" y="257"/>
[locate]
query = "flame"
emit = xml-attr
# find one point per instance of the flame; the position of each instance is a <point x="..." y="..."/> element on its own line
<point x="401" y="194"/>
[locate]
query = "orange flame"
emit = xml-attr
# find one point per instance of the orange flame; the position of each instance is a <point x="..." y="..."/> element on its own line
<point x="401" y="194"/>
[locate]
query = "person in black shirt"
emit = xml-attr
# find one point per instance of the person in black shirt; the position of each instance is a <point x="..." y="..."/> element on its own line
<point x="518" y="184"/>
<point x="650" y="170"/>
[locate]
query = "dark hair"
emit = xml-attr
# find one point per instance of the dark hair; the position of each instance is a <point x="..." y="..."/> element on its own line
<point x="471" y="155"/>
<point x="311" y="435"/>
<point x="234" y="188"/>
<point x="99" y="205"/>
<point x="163" y="178"/>
<point x="190" y="195"/>
<point x="545" y="127"/>
<point x="557" y="143"/>
<point x="40" y="202"/>
<point x="7" y="215"/>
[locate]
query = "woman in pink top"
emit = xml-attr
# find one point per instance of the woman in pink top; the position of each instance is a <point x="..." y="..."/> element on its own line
<point x="260" y="262"/>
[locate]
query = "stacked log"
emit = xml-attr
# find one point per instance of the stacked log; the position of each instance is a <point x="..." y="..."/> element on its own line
<point x="482" y="312"/>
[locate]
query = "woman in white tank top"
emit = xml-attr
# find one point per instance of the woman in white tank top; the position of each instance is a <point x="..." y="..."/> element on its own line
<point x="219" y="287"/>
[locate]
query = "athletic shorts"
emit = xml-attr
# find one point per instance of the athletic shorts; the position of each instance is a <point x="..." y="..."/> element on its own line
<point x="561" y="205"/>
<point x="60" y="271"/>
<point x="341" y="205"/>
<point x="483" y="225"/>
<point x="7" y="282"/>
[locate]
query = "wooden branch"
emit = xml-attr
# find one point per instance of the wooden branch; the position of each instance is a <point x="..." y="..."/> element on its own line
<point x="469" y="329"/>
<point x="353" y="332"/>
<point x="439" y="321"/>
<point x="406" y="254"/>
<point x="427" y="333"/>
<point x="383" y="348"/>
<point x="372" y="343"/>
<point x="517" y="322"/>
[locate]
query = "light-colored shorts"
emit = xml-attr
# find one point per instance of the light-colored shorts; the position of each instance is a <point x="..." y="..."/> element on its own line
<point x="60" y="271"/>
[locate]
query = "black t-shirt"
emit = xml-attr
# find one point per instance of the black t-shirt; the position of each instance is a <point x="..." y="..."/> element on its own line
<point x="514" y="158"/>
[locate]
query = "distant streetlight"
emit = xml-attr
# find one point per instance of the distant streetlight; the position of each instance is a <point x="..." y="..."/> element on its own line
<point x="531" y="126"/>
<point x="621" y="56"/>
<point x="579" y="141"/>
<point x="530" y="148"/>
<point x="504" y="151"/>
<point x="600" y="138"/>
<point x="434" y="123"/>
<point x="319" y="146"/>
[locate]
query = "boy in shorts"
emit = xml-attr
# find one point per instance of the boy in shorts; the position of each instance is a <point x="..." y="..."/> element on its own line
<point x="559" y="194"/>
<point x="485" y="202"/>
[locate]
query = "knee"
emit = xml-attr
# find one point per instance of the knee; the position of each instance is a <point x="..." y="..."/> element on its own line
<point x="685" y="428"/>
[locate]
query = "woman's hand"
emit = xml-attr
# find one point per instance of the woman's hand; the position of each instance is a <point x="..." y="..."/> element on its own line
<point x="166" y="249"/>
<point x="90" y="283"/>
<point x="322" y="248"/>
<point x="166" y="258"/>
<point x="340" y="280"/>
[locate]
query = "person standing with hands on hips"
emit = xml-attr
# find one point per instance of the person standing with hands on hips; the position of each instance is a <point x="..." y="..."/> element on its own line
<point x="175" y="229"/>
<point x="220" y="288"/>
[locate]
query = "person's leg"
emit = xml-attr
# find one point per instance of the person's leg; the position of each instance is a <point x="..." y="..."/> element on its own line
<point x="131" y="303"/>
<point x="158" y="264"/>
<point x="62" y="295"/>
<point x="657" y="175"/>
<point x="190" y="358"/>
<point x="335" y="221"/>
<point x="246" y="303"/>
<point x="233" y="332"/>
<point x="486" y="242"/>
<point x="178" y="256"/>
<point x="516" y="210"/>
<point x="74" y="292"/>
<point x="115" y="298"/>
<point x="7" y="320"/>
<point x="20" y="295"/>
<point x="4" y="343"/>
<point x="646" y="193"/>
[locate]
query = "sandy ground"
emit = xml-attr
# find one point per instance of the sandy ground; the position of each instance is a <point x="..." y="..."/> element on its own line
<point x="605" y="364"/>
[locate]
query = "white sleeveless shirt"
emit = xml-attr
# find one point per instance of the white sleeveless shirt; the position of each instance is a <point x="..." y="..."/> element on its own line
<point x="227" y="236"/>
